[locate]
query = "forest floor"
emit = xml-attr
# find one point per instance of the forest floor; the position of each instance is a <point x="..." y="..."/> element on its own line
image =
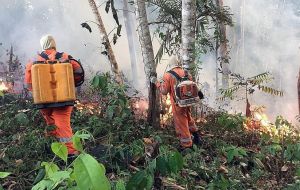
<point x="233" y="155"/>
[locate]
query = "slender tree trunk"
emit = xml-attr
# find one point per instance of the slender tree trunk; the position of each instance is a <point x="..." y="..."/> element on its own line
<point x="188" y="31"/>
<point x="299" y="92"/>
<point x="223" y="51"/>
<point x="106" y="43"/>
<point x="131" y="43"/>
<point x="148" y="58"/>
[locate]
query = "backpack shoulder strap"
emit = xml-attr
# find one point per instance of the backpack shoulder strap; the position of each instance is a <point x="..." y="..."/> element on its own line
<point x="44" y="55"/>
<point x="58" y="55"/>
<point x="175" y="75"/>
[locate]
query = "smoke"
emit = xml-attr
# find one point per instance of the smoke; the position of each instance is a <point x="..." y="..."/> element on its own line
<point x="265" y="37"/>
<point x="23" y="22"/>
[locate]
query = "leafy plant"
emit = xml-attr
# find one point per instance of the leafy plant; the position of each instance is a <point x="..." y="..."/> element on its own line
<point x="84" y="173"/>
<point x="235" y="152"/>
<point x="231" y="121"/>
<point x="249" y="85"/>
<point x="4" y="174"/>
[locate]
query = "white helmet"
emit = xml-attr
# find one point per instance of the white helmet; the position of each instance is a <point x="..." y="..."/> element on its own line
<point x="174" y="62"/>
<point x="47" y="42"/>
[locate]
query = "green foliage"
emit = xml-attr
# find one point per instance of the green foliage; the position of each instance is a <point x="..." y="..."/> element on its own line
<point x="4" y="174"/>
<point x="168" y="162"/>
<point x="116" y="105"/>
<point x="249" y="85"/>
<point x="89" y="174"/>
<point x="230" y="121"/>
<point x="120" y="185"/>
<point x="84" y="173"/>
<point x="168" y="25"/>
<point x="234" y="152"/>
<point x="292" y="152"/>
<point x="50" y="168"/>
<point x="22" y="119"/>
<point x="273" y="149"/>
<point x="140" y="180"/>
<point x="77" y="137"/>
<point x="60" y="150"/>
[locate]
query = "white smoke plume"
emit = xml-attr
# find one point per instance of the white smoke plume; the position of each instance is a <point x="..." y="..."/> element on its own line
<point x="265" y="37"/>
<point x="23" y="22"/>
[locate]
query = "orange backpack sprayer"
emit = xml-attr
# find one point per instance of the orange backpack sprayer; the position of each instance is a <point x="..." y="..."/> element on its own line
<point x="186" y="91"/>
<point x="52" y="82"/>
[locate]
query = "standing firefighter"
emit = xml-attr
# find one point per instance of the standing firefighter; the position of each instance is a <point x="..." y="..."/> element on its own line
<point x="176" y="82"/>
<point x="52" y="77"/>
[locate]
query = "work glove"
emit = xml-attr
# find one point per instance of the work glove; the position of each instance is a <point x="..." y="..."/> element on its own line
<point x="153" y="79"/>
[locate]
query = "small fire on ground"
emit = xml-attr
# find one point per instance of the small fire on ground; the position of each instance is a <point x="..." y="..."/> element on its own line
<point x="3" y="87"/>
<point x="260" y="122"/>
<point x="166" y="111"/>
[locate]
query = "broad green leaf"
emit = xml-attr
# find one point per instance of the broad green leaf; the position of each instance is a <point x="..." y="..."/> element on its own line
<point x="231" y="154"/>
<point x="77" y="143"/>
<point x="50" y="168"/>
<point x="60" y="176"/>
<point x="175" y="161"/>
<point x="120" y="185"/>
<point x="95" y="81"/>
<point x="44" y="184"/>
<point x="89" y="174"/>
<point x="161" y="165"/>
<point x="4" y="174"/>
<point x="83" y="134"/>
<point x="138" y="181"/>
<point x="40" y="176"/>
<point x="1" y="93"/>
<point x="60" y="150"/>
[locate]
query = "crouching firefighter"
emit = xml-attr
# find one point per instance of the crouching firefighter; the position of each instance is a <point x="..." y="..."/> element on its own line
<point x="52" y="77"/>
<point x="184" y="93"/>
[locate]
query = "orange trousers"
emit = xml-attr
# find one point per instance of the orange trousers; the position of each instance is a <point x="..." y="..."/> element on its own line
<point x="60" y="117"/>
<point x="184" y="125"/>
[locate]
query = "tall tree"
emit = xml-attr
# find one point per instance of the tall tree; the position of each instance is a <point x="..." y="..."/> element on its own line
<point x="106" y="43"/>
<point x="188" y="32"/>
<point x="148" y="58"/>
<point x="224" y="58"/>
<point x="131" y="42"/>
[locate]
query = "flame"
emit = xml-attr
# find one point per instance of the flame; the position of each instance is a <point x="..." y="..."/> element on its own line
<point x="167" y="110"/>
<point x="259" y="121"/>
<point x="3" y="87"/>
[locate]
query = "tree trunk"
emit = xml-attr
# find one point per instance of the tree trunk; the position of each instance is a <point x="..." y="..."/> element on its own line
<point x="131" y="42"/>
<point x="148" y="58"/>
<point x="223" y="51"/>
<point x="188" y="31"/>
<point x="299" y="92"/>
<point x="106" y="43"/>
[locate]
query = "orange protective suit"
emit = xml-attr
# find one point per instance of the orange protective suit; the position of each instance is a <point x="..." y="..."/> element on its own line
<point x="184" y="123"/>
<point x="58" y="116"/>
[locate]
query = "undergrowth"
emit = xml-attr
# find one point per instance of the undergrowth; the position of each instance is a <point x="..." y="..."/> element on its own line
<point x="137" y="156"/>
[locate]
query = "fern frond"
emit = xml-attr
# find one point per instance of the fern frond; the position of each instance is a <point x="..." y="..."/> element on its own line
<point x="270" y="90"/>
<point x="261" y="78"/>
<point x="229" y="92"/>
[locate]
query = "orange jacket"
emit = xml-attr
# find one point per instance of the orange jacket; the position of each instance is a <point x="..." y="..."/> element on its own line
<point x="51" y="54"/>
<point x="169" y="81"/>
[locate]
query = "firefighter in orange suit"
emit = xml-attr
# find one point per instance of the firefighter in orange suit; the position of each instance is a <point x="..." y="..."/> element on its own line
<point x="185" y="126"/>
<point x="57" y="114"/>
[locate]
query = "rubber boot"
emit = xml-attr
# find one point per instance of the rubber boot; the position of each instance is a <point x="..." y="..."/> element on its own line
<point x="197" y="139"/>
